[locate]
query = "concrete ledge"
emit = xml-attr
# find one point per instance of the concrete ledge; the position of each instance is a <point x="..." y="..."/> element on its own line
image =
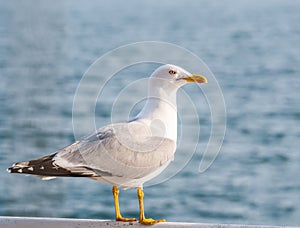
<point x="29" y="222"/>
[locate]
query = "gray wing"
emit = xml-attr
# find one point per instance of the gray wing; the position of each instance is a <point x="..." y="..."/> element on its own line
<point x="121" y="150"/>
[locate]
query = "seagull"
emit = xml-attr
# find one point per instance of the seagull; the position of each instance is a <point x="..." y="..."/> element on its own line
<point x="127" y="154"/>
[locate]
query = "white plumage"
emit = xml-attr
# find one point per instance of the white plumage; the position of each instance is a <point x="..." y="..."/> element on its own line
<point x="124" y="154"/>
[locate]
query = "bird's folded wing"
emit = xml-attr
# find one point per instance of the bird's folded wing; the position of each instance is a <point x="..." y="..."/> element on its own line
<point x="125" y="149"/>
<point x="121" y="150"/>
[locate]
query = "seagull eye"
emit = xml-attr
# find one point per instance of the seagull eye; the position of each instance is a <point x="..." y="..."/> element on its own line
<point x="172" y="72"/>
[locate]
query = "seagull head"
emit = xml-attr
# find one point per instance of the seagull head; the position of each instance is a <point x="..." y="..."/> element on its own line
<point x="176" y="75"/>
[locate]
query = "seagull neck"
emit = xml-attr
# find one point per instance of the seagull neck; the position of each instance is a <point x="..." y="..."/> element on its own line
<point x="160" y="112"/>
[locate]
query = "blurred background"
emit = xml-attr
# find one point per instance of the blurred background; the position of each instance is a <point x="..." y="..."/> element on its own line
<point x="251" y="46"/>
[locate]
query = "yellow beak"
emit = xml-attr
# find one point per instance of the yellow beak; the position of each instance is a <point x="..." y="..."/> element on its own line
<point x="196" y="78"/>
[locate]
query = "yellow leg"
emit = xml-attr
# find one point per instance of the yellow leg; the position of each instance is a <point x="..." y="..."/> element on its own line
<point x="142" y="219"/>
<point x="119" y="217"/>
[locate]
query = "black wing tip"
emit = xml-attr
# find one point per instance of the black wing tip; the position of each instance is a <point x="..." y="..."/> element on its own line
<point x="13" y="168"/>
<point x="46" y="166"/>
<point x="33" y="167"/>
<point x="19" y="167"/>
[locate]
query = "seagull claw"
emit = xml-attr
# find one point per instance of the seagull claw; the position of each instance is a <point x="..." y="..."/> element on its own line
<point x="150" y="221"/>
<point x="121" y="219"/>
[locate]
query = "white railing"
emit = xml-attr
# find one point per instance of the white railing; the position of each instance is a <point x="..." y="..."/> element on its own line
<point x="29" y="222"/>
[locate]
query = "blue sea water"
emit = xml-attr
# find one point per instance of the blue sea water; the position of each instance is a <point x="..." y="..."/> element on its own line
<point x="251" y="46"/>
